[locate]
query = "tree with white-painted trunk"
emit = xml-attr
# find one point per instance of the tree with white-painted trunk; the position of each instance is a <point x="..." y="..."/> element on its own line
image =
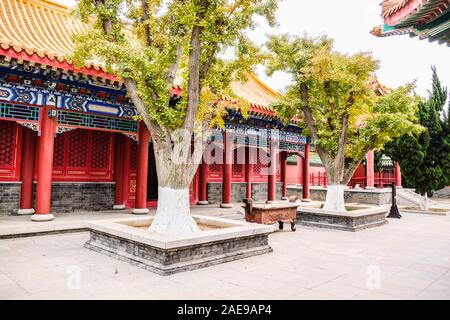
<point x="344" y="108"/>
<point x="154" y="45"/>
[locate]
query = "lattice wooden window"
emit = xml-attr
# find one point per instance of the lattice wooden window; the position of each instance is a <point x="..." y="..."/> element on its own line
<point x="83" y="155"/>
<point x="260" y="168"/>
<point x="78" y="149"/>
<point x="215" y="168"/>
<point x="7" y="143"/>
<point x="59" y="152"/>
<point x="100" y="158"/>
<point x="133" y="156"/>
<point x="8" y="150"/>
<point x="238" y="167"/>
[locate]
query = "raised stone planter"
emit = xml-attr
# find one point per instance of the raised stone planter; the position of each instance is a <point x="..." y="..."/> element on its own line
<point x="359" y="218"/>
<point x="220" y="241"/>
<point x="376" y="197"/>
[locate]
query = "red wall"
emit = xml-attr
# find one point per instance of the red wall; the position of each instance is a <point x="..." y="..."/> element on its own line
<point x="293" y="174"/>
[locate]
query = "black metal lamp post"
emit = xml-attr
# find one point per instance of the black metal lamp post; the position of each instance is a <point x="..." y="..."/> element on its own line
<point x="395" y="214"/>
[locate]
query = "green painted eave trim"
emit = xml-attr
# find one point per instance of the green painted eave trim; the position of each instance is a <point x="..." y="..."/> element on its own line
<point x="421" y="12"/>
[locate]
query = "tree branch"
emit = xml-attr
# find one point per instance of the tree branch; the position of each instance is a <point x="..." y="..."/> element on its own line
<point x="194" y="79"/>
<point x="146" y="17"/>
<point x="350" y="171"/>
<point x="172" y="72"/>
<point x="107" y="24"/>
<point x="155" y="128"/>
<point x="194" y="70"/>
<point x="309" y="117"/>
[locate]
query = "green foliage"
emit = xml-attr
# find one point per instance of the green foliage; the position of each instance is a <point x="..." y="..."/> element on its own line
<point x="140" y="40"/>
<point x="425" y="157"/>
<point x="338" y="90"/>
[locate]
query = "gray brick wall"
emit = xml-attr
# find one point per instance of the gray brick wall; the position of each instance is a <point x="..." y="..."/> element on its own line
<point x="259" y="192"/>
<point x="66" y="197"/>
<point x="82" y="197"/>
<point x="9" y="198"/>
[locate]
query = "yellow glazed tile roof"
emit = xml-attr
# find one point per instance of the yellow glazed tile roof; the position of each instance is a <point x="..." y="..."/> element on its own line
<point x="258" y="94"/>
<point x="45" y="29"/>
<point x="39" y="27"/>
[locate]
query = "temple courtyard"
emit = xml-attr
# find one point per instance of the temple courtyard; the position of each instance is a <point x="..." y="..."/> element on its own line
<point x="405" y="259"/>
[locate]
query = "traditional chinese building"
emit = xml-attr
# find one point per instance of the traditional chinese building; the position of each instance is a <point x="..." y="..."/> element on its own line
<point x="68" y="141"/>
<point x="426" y="19"/>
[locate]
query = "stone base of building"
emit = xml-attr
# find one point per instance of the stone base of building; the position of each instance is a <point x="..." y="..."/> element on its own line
<point x="129" y="240"/>
<point x="352" y="221"/>
<point x="82" y="197"/>
<point x="238" y="192"/>
<point x="378" y="197"/>
<point x="9" y="197"/>
<point x="66" y="197"/>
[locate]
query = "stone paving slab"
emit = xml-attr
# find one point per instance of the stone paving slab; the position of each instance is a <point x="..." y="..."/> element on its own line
<point x="20" y="226"/>
<point x="406" y="259"/>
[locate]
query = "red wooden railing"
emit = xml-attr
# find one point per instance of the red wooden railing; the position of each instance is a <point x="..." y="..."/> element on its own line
<point x="318" y="179"/>
<point x="382" y="179"/>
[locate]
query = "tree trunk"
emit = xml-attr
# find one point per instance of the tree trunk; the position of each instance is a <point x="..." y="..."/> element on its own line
<point x="177" y="161"/>
<point x="424" y="202"/>
<point x="335" y="188"/>
<point x="173" y="215"/>
<point x="176" y="168"/>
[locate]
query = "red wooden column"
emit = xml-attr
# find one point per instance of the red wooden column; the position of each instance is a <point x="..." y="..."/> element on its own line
<point x="27" y="172"/>
<point x="283" y="172"/>
<point x="272" y="176"/>
<point x="227" y="171"/>
<point x="398" y="175"/>
<point x="126" y="169"/>
<point x="45" y="165"/>
<point x="142" y="171"/>
<point x="203" y="185"/>
<point x="300" y="169"/>
<point x="248" y="172"/>
<point x="305" y="173"/>
<point x="370" y="170"/>
<point x="119" y="201"/>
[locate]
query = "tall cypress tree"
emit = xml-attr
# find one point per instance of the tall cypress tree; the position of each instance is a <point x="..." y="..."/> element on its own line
<point x="425" y="157"/>
<point x="446" y="145"/>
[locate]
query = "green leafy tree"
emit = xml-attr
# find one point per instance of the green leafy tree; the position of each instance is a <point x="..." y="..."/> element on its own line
<point x="335" y="96"/>
<point x="425" y="157"/>
<point x="152" y="44"/>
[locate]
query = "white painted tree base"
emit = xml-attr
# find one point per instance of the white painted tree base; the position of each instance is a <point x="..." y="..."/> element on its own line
<point x="173" y="215"/>
<point x="335" y="198"/>
<point x="424" y="203"/>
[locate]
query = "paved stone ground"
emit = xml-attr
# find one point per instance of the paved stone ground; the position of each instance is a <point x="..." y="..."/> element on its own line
<point x="407" y="259"/>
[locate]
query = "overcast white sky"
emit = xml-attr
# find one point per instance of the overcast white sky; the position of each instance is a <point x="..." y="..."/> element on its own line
<point x="349" y="22"/>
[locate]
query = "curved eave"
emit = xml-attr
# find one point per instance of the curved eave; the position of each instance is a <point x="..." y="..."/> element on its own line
<point x="421" y="15"/>
<point x="23" y="55"/>
<point x="439" y="33"/>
